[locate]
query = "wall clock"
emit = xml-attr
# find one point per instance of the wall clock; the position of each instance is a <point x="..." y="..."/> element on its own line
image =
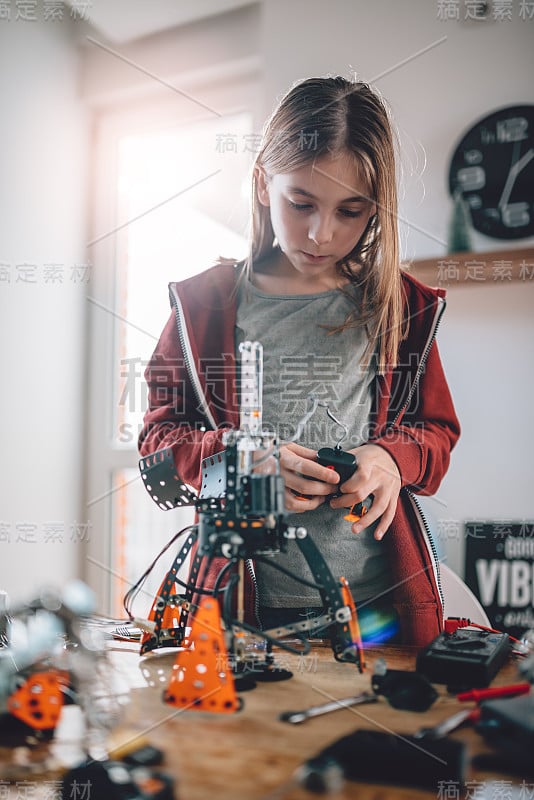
<point x="493" y="167"/>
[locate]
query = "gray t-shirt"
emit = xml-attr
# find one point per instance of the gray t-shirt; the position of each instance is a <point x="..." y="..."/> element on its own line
<point x="301" y="357"/>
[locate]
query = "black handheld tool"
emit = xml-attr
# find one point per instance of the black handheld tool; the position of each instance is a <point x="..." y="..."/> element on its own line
<point x="374" y="756"/>
<point x="345" y="465"/>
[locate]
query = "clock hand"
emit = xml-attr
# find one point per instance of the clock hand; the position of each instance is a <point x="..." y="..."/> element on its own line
<point x="512" y="175"/>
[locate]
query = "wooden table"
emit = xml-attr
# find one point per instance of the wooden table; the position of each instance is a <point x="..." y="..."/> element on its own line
<point x="252" y="755"/>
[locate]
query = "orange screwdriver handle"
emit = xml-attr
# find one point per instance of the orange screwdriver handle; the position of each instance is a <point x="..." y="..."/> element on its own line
<point x="359" y="510"/>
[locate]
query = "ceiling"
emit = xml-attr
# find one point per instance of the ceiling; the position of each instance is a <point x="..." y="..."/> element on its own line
<point x="121" y="21"/>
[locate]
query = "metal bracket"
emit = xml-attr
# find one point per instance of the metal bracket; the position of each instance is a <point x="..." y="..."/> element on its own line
<point x="343" y="646"/>
<point x="162" y="482"/>
<point x="213" y="476"/>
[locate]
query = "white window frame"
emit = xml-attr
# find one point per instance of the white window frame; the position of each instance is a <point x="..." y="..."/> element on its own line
<point x="104" y="456"/>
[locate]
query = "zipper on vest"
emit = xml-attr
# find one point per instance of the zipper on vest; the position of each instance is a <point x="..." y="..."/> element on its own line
<point x="429" y="542"/>
<point x="188" y="356"/>
<point x="250" y="569"/>
<point x="427" y="534"/>
<point x="426" y="350"/>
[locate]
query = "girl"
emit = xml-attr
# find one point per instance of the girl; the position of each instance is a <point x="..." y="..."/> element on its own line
<point x="323" y="291"/>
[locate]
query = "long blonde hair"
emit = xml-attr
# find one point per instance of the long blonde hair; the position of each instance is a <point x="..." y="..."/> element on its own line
<point x="328" y="116"/>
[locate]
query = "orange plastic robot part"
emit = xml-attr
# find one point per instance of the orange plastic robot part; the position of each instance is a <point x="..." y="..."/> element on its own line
<point x="201" y="677"/>
<point x="354" y="624"/>
<point x="38" y="701"/>
<point x="170" y="618"/>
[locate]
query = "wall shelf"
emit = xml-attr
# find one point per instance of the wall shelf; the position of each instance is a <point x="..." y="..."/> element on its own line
<point x="493" y="268"/>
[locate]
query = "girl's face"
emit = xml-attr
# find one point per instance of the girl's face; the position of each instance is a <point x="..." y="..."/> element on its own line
<point x="318" y="213"/>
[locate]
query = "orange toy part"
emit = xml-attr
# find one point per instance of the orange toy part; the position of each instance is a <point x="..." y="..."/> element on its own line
<point x="201" y="677"/>
<point x="170" y="618"/>
<point x="38" y="701"/>
<point x="359" y="510"/>
<point x="354" y="625"/>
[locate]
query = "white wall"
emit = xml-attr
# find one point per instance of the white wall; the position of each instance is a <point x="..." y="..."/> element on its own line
<point x="487" y="345"/>
<point x="43" y="197"/>
<point x="434" y="97"/>
<point x="487" y="334"/>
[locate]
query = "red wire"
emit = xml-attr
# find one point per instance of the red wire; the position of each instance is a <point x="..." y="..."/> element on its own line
<point x="464" y="622"/>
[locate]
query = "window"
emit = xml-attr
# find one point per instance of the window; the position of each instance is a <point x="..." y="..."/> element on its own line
<point x="171" y="197"/>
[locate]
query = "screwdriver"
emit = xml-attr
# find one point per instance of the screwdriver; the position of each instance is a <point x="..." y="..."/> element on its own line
<point x="470" y="714"/>
<point x="334" y="705"/>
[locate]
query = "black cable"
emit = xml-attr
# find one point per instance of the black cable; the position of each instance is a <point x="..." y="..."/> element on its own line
<point x="288" y="572"/>
<point x="187" y="586"/>
<point x="217" y="590"/>
<point x="227" y="598"/>
<point x="194" y="588"/>
<point x="220" y="576"/>
<point x="132" y="593"/>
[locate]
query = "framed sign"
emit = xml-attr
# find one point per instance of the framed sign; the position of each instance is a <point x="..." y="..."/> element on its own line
<point x="499" y="569"/>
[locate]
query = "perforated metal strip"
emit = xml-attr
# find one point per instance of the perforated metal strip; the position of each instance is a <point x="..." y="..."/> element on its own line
<point x="214" y="475"/>
<point x="162" y="482"/>
<point x="330" y="594"/>
<point x="190" y="591"/>
<point x="173" y="637"/>
<point x="308" y="625"/>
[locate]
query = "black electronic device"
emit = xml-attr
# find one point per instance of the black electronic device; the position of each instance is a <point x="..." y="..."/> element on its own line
<point x="115" y="780"/>
<point x="145" y="756"/>
<point x="466" y="658"/>
<point x="370" y="755"/>
<point x="508" y="725"/>
<point x="403" y="689"/>
<point x="341" y="461"/>
<point x="345" y="465"/>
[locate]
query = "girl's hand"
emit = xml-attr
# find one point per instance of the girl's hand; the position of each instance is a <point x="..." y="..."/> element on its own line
<point x="304" y="476"/>
<point x="377" y="474"/>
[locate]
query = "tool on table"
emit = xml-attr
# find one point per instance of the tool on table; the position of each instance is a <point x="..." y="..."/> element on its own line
<point x="507" y="725"/>
<point x="465" y="658"/>
<point x="374" y="756"/>
<point x="512" y="690"/>
<point x="470" y="714"/>
<point x="448" y="725"/>
<point x="325" y="708"/>
<point x="116" y="780"/>
<point x="402" y="689"/>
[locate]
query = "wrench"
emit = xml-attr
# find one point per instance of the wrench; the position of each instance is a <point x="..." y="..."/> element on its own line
<point x="448" y="725"/>
<point x="334" y="705"/>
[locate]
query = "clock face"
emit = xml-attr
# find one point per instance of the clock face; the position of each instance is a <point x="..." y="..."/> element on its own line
<point x="493" y="167"/>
